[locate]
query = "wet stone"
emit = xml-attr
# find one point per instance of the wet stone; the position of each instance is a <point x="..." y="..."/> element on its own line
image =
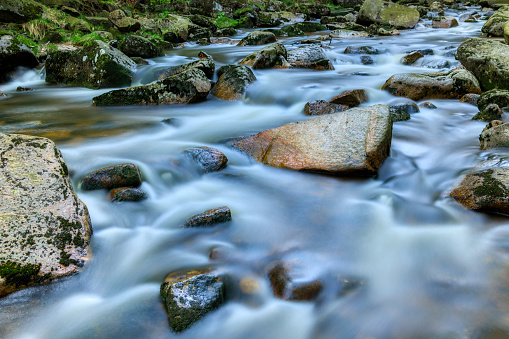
<point x="399" y="115"/>
<point x="311" y="56"/>
<point x="428" y="105"/>
<point x="207" y="158"/>
<point x="426" y="51"/>
<point x="285" y="286"/>
<point x="470" y="99"/>
<point x="204" y="55"/>
<point x="366" y="60"/>
<point x="363" y="50"/>
<point x="491" y="112"/>
<point x="23" y="89"/>
<point x="496" y="136"/>
<point x="127" y="194"/>
<point x="445" y="22"/>
<point x="495" y="96"/>
<point x="124" y="175"/>
<point x="493" y="123"/>
<point x="350" y="98"/>
<point x="171" y="121"/>
<point x="320" y="107"/>
<point x="209" y="218"/>
<point x="232" y="82"/>
<point x="406" y="106"/>
<point x="258" y="38"/>
<point x="411" y="58"/>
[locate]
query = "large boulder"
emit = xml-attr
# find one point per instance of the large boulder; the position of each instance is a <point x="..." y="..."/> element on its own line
<point x="183" y="88"/>
<point x="206" y="65"/>
<point x="312" y="56"/>
<point x="495" y="24"/>
<point x="436" y="85"/>
<point x="258" y="38"/>
<point x="174" y="28"/>
<point x="485" y="190"/>
<point x="494" y="135"/>
<point x="123" y="23"/>
<point x="494" y="96"/>
<point x="137" y="46"/>
<point x="45" y="227"/>
<point x="488" y="60"/>
<point x="20" y="11"/>
<point x="95" y="65"/>
<point x="353" y="142"/>
<point x="233" y="82"/>
<point x="13" y="54"/>
<point x="387" y="13"/>
<point x="272" y="56"/>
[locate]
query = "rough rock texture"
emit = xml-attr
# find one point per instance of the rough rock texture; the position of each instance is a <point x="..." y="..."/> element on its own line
<point x="411" y="58"/>
<point x="45" y="228"/>
<point x="436" y="85"/>
<point x="497" y="136"/>
<point x="387" y="13"/>
<point x="96" y="65"/>
<point x="207" y="158"/>
<point x="123" y="175"/>
<point x="471" y="99"/>
<point x="206" y="65"/>
<point x="257" y="38"/>
<point x="353" y="142"/>
<point x="495" y="24"/>
<point x="190" y="295"/>
<point x="232" y="83"/>
<point x="351" y="98"/>
<point x="13" y="53"/>
<point x="272" y="56"/>
<point x="137" y="46"/>
<point x="19" y="11"/>
<point x="127" y="194"/>
<point x="321" y="107"/>
<point x="123" y="23"/>
<point x="490" y="112"/>
<point x="485" y="190"/>
<point x="501" y="98"/>
<point x="183" y="88"/>
<point x="208" y="218"/>
<point x="445" y="22"/>
<point x="311" y="56"/>
<point x="488" y="60"/>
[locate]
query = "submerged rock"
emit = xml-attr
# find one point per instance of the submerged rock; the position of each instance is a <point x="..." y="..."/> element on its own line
<point x="183" y="88"/>
<point x="490" y="112"/>
<point x="311" y="56"/>
<point x="285" y="286"/>
<point x="495" y="24"/>
<point x="13" y="54"/>
<point x="436" y="85"/>
<point x="45" y="227"/>
<point x="258" y="38"/>
<point x="127" y="194"/>
<point x="208" y="159"/>
<point x="321" y="107"/>
<point x="272" y="56"/>
<point x="190" y="295"/>
<point x="350" y="98"/>
<point x="209" y="218"/>
<point x="233" y="82"/>
<point x="387" y="13"/>
<point x="495" y="96"/>
<point x="496" y="136"/>
<point x="353" y="142"/>
<point x="124" y="175"/>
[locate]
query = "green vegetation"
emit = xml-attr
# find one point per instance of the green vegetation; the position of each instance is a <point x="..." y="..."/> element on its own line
<point x="222" y="21"/>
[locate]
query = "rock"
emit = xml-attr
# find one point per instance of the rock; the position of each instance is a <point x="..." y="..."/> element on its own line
<point x="233" y="82"/>
<point x="104" y="23"/>
<point x="411" y="58"/>
<point x="399" y="115"/>
<point x="257" y="38"/>
<point x="470" y="99"/>
<point x="436" y="85"/>
<point x="387" y="32"/>
<point x="491" y="112"/>
<point x="139" y="61"/>
<point x="493" y="123"/>
<point x="209" y="218"/>
<point x="127" y="194"/>
<point x="204" y="55"/>
<point x="183" y="88"/>
<point x="432" y="63"/>
<point x="387" y="13"/>
<point x="207" y="66"/>
<point x="45" y="227"/>
<point x="290" y="31"/>
<point x="13" y="54"/>
<point x="284" y="284"/>
<point x="353" y="142"/>
<point x="425" y="51"/>
<point x="467" y="17"/>
<point x="298" y="29"/>
<point x="272" y="56"/>
<point x="485" y="190"/>
<point x="428" y="105"/>
<point x="123" y="175"/>
<point x="497" y="136"/>
<point x="226" y="32"/>
<point x="96" y="65"/>
<point x="367" y="60"/>
<point x="24" y="89"/>
<point x="488" y="60"/>
<point x="501" y="98"/>
<point x="321" y="107"/>
<point x="123" y="23"/>
<point x="190" y="295"/>
<point x="363" y="50"/>
<point x="20" y="11"/>
<point x="495" y="24"/>
<point x="345" y="33"/>
<point x="350" y="98"/>
<point x="311" y="56"/>
<point x="406" y="106"/>
<point x="174" y="28"/>
<point x="445" y="22"/>
<point x="137" y="46"/>
<point x="208" y="159"/>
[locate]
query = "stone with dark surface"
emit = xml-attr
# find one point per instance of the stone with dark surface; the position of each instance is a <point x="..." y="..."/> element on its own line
<point x="183" y="88"/>
<point x="411" y="58"/>
<point x="272" y="56"/>
<point x="428" y="105"/>
<point x="363" y="50"/>
<point x="96" y="65"/>
<point x="485" y="190"/>
<point x="207" y="158"/>
<point x="488" y="60"/>
<point x="284" y="284"/>
<point x="257" y="38"/>
<point x="436" y="85"/>
<point x="45" y="227"/>
<point x="233" y="82"/>
<point x="499" y="97"/>
<point x="204" y="64"/>
<point x="351" y="98"/>
<point x="20" y="11"/>
<point x="137" y="46"/>
<point x="321" y="107"/>
<point x="496" y="136"/>
<point x="208" y="218"/>
<point x="495" y="24"/>
<point x="490" y="112"/>
<point x="190" y="295"/>
<point x="387" y="13"/>
<point x="127" y="194"/>
<point x="470" y="99"/>
<point x="124" y="175"/>
<point x="353" y="142"/>
<point x="13" y="54"/>
<point x="311" y="56"/>
<point x="367" y="60"/>
<point x="445" y="22"/>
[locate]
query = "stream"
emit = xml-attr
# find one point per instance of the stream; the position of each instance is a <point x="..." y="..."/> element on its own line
<point x="428" y="267"/>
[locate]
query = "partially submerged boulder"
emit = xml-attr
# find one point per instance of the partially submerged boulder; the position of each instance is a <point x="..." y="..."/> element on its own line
<point x="353" y="142"/>
<point x="471" y="99"/>
<point x="489" y="113"/>
<point x="124" y="194"/>
<point x="137" y="46"/>
<point x="495" y="96"/>
<point x="321" y="107"/>
<point x="272" y="56"/>
<point x="95" y="65"/>
<point x="45" y="227"/>
<point x="495" y="24"/>
<point x="363" y="50"/>
<point x="312" y="56"/>
<point x="204" y="64"/>
<point x="496" y="136"/>
<point x="13" y="54"/>
<point x="123" y="175"/>
<point x="258" y="38"/>
<point x="411" y="58"/>
<point x="233" y="82"/>
<point x="387" y="13"/>
<point x="209" y="218"/>
<point x="183" y="88"/>
<point x="445" y="22"/>
<point x="208" y="159"/>
<point x="351" y="98"/>
<point x="488" y="60"/>
<point x="436" y="85"/>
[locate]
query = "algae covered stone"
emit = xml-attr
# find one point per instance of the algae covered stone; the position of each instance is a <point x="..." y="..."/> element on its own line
<point x="272" y="56"/>
<point x="495" y="24"/>
<point x="496" y="136"/>
<point x="14" y="53"/>
<point x="45" y="227"/>
<point x="258" y="38"/>
<point x="20" y="11"/>
<point x="494" y="96"/>
<point x="387" y="13"/>
<point x="137" y="46"/>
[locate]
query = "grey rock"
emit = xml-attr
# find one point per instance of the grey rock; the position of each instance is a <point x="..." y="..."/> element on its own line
<point x="207" y="158"/>
<point x="311" y="56"/>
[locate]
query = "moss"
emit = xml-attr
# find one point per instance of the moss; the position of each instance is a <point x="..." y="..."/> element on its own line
<point x="20" y="275"/>
<point x="490" y="187"/>
<point x="65" y="259"/>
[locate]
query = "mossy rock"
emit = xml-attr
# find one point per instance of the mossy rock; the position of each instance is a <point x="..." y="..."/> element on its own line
<point x="291" y="30"/>
<point x="494" y="96"/>
<point x="495" y="24"/>
<point x="20" y="11"/>
<point x="137" y="46"/>
<point x="258" y="38"/>
<point x="387" y="13"/>
<point x="13" y="54"/>
<point x="496" y="136"/>
<point x="173" y="28"/>
<point x="233" y="82"/>
<point x="272" y="56"/>
<point x="489" y="113"/>
<point x="123" y="23"/>
<point x="204" y="64"/>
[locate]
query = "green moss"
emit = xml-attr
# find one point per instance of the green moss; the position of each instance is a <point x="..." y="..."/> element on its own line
<point x="20" y="275"/>
<point x="225" y="22"/>
<point x="490" y="187"/>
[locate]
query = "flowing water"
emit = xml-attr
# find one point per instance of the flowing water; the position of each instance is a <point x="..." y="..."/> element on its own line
<point x="429" y="268"/>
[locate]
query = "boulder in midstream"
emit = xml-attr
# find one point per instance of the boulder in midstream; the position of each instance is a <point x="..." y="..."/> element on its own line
<point x="208" y="218"/>
<point x="311" y="56"/>
<point x="123" y="175"/>
<point x="208" y="159"/>
<point x="232" y="82"/>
